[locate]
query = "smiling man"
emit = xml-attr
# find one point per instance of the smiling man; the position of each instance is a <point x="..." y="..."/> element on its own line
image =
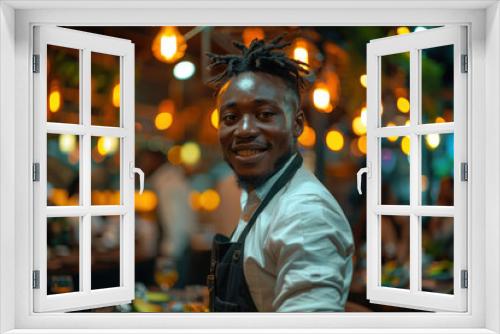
<point x="292" y="248"/>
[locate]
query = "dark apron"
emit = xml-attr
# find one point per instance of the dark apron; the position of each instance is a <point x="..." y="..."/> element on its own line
<point x="226" y="282"/>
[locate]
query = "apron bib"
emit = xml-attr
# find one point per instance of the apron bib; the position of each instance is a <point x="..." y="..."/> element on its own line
<point x="226" y="282"/>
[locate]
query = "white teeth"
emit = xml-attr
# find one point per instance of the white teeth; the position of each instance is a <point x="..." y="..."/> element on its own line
<point x="247" y="153"/>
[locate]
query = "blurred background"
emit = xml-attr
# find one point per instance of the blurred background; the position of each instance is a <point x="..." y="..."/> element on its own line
<point x="191" y="194"/>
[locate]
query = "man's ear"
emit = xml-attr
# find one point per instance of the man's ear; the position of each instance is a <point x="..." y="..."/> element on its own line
<point x="298" y="123"/>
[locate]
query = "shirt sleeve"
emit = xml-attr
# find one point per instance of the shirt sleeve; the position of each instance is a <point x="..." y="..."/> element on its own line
<point x="312" y="246"/>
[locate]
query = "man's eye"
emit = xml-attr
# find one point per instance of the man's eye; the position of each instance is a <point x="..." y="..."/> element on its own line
<point x="228" y="118"/>
<point x="266" y="114"/>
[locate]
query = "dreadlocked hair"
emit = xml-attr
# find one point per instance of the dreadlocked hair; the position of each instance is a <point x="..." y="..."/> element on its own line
<point x="260" y="57"/>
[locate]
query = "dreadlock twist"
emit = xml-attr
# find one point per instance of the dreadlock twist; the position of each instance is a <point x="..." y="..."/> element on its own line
<point x="260" y="57"/>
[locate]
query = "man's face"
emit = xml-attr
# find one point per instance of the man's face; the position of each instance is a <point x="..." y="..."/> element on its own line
<point x="259" y="122"/>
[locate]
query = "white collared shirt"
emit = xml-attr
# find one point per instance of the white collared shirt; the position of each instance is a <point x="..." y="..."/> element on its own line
<point x="297" y="256"/>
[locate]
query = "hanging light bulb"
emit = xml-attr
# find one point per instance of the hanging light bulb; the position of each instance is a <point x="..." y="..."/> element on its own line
<point x="169" y="45"/>
<point x="55" y="98"/>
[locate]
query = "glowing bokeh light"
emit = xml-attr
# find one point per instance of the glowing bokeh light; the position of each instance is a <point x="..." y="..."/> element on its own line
<point x="251" y="33"/>
<point x="107" y="145"/>
<point x="362" y="80"/>
<point x="169" y="45"/>
<point x="209" y="200"/>
<point x="67" y="143"/>
<point x="184" y="70"/>
<point x="194" y="200"/>
<point x="214" y="118"/>
<point x="440" y="120"/>
<point x="362" y="144"/>
<point x="392" y="138"/>
<point x="174" y="155"/>
<point x="403" y="30"/>
<point x="334" y="140"/>
<point x="116" y="96"/>
<point x="163" y="120"/>
<point x="145" y="202"/>
<point x="403" y="105"/>
<point x="308" y="137"/>
<point x="321" y="98"/>
<point x="405" y="145"/>
<point x="358" y="127"/>
<point x="432" y="140"/>
<point x="190" y="153"/>
<point x="54" y="101"/>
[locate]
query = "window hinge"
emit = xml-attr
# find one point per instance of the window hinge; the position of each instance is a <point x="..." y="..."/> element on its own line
<point x="465" y="66"/>
<point x="36" y="172"/>
<point x="36" y="63"/>
<point x="36" y="279"/>
<point x="464" y="171"/>
<point x="464" y="279"/>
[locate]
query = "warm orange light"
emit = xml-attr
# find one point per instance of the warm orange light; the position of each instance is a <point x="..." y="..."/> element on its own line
<point x="107" y="145"/>
<point x="194" y="200"/>
<point x="214" y="118"/>
<point x="403" y="105"/>
<point x="190" y="153"/>
<point x="321" y="98"/>
<point x="392" y="138"/>
<point x="362" y="144"/>
<point x="116" y="96"/>
<point x="163" y="120"/>
<point x="174" y="155"/>
<point x="168" y="106"/>
<point x="403" y="30"/>
<point x="334" y="140"/>
<point x="308" y="137"/>
<point x="145" y="202"/>
<point x="405" y="145"/>
<point x="209" y="200"/>
<point x="432" y="140"/>
<point x="251" y="33"/>
<point x="301" y="51"/>
<point x="358" y="127"/>
<point x="440" y="120"/>
<point x="55" y="100"/>
<point x="169" y="45"/>
<point x="362" y="79"/>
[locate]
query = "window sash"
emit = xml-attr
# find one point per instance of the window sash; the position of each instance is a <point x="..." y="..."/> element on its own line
<point x="86" y="297"/>
<point x="414" y="297"/>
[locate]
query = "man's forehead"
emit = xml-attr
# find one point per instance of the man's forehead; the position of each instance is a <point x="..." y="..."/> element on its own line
<point x="252" y="86"/>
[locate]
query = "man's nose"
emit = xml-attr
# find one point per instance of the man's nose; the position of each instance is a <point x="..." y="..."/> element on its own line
<point x="246" y="126"/>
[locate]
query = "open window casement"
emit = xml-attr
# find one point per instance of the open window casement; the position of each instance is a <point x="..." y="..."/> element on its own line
<point x="79" y="228"/>
<point x="415" y="129"/>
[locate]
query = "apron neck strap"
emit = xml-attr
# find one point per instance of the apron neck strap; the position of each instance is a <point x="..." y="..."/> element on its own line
<point x="280" y="183"/>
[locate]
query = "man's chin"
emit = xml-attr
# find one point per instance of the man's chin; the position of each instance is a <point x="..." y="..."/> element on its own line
<point x="251" y="182"/>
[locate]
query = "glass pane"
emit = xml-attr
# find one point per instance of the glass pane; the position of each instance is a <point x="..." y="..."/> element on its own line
<point x="105" y="252"/>
<point x="437" y="254"/>
<point x="437" y="84"/>
<point x="63" y="255"/>
<point x="395" y="251"/>
<point x="395" y="174"/>
<point x="105" y="171"/>
<point x="63" y="180"/>
<point x="437" y="169"/>
<point x="105" y="73"/>
<point x="395" y="89"/>
<point x="63" y="81"/>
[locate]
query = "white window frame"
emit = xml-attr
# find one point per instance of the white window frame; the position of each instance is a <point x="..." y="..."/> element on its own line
<point x="16" y="21"/>
<point x="413" y="44"/>
<point x="85" y="43"/>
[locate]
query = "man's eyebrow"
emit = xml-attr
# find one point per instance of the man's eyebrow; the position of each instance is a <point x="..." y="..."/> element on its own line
<point x="228" y="105"/>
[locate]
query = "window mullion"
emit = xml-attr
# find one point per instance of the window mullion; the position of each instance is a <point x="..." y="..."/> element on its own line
<point x="415" y="232"/>
<point x="85" y="243"/>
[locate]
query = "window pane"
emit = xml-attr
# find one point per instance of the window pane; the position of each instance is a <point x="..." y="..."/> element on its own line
<point x="63" y="180"/>
<point x="105" y="171"/>
<point x="63" y="255"/>
<point x="437" y="84"/>
<point x="395" y="248"/>
<point x="395" y="89"/>
<point x="63" y="81"/>
<point x="105" y="252"/>
<point x="395" y="174"/>
<point x="105" y="72"/>
<point x="437" y="254"/>
<point x="437" y="169"/>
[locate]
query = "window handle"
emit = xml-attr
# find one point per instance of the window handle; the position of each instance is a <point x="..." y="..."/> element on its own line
<point x="360" y="174"/>
<point x="134" y="170"/>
